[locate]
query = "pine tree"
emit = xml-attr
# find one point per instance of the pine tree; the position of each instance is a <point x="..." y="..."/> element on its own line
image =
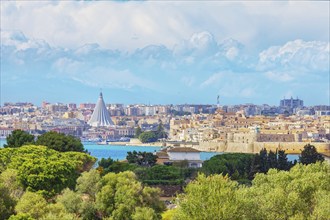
<point x="282" y="161"/>
<point x="310" y="155"/>
<point x="263" y="161"/>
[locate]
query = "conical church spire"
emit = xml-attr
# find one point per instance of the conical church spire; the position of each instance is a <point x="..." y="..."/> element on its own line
<point x="100" y="116"/>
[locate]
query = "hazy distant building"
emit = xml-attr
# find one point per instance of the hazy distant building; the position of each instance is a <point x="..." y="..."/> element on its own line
<point x="72" y="106"/>
<point x="87" y="106"/>
<point x="100" y="116"/>
<point x="291" y="103"/>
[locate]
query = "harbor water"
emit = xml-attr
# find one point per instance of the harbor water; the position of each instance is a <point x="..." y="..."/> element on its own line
<point x="119" y="152"/>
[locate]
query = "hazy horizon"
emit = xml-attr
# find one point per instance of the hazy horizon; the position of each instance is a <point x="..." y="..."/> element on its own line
<point x="165" y="52"/>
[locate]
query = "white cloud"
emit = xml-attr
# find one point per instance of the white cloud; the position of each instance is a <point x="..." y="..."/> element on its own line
<point x="279" y="76"/>
<point x="131" y="25"/>
<point x="212" y="80"/>
<point x="188" y="80"/>
<point x="298" y="54"/>
<point x="199" y="64"/>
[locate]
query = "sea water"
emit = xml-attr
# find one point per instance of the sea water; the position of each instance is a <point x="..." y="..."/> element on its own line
<point x="119" y="152"/>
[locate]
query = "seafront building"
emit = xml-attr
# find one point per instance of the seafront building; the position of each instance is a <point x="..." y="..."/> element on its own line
<point x="241" y="128"/>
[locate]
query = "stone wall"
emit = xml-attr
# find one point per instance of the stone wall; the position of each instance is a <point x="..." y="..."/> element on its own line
<point x="239" y="147"/>
<point x="255" y="147"/>
<point x="275" y="138"/>
<point x="290" y="147"/>
<point x="211" y="146"/>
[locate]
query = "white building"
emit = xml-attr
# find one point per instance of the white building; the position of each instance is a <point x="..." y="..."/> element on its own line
<point x="100" y="116"/>
<point x="191" y="155"/>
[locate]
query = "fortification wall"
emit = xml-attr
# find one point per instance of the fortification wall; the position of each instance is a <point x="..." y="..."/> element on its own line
<point x="275" y="138"/>
<point x="239" y="147"/>
<point x="211" y="146"/>
<point x="255" y="147"/>
<point x="290" y="147"/>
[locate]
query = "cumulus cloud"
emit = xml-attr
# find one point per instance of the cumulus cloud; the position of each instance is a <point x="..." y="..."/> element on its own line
<point x="199" y="65"/>
<point x="279" y="76"/>
<point x="133" y="24"/>
<point x="298" y="54"/>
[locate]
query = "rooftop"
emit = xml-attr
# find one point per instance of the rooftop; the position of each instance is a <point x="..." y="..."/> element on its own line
<point x="183" y="149"/>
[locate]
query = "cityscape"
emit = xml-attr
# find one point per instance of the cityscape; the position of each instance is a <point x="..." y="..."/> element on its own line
<point x="207" y="127"/>
<point x="164" y="110"/>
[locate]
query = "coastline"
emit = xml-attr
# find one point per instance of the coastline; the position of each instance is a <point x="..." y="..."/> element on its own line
<point x="156" y="144"/>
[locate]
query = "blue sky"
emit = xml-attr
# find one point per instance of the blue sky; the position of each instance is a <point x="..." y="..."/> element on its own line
<point x="165" y="52"/>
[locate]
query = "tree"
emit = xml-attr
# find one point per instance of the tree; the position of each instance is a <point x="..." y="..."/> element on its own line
<point x="88" y="183"/>
<point x="70" y="200"/>
<point x="310" y="155"/>
<point x="19" y="138"/>
<point x="104" y="165"/>
<point x="160" y="174"/>
<point x="141" y="158"/>
<point x="121" y="195"/>
<point x="32" y="204"/>
<point x="263" y="161"/>
<point x="7" y="203"/>
<point x="79" y="204"/>
<point x="301" y="193"/>
<point x="147" y="137"/>
<point x="295" y="194"/>
<point x="9" y="178"/>
<point x="45" y="170"/>
<point x="21" y="216"/>
<point x="282" y="161"/>
<point x="267" y="160"/>
<point x="237" y="164"/>
<point x="60" y="142"/>
<point x="144" y="213"/>
<point x="209" y="197"/>
<point x="138" y="131"/>
<point x="272" y="160"/>
<point x="57" y="211"/>
<point x="160" y="133"/>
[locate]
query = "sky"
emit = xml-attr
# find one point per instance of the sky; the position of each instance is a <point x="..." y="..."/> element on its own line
<point x="165" y="52"/>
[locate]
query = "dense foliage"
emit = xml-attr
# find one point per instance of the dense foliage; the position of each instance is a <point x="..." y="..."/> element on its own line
<point x="37" y="182"/>
<point x="243" y="167"/>
<point x="267" y="160"/>
<point x="40" y="169"/>
<point x="144" y="166"/>
<point x="19" y="138"/>
<point x="301" y="193"/>
<point x="51" y="139"/>
<point x="7" y="203"/>
<point x="160" y="132"/>
<point x="160" y="174"/>
<point x="310" y="155"/>
<point x="148" y="136"/>
<point x="121" y="196"/>
<point x="60" y="142"/>
<point x="109" y="165"/>
<point x="236" y="165"/>
<point x="151" y="136"/>
<point x="141" y="158"/>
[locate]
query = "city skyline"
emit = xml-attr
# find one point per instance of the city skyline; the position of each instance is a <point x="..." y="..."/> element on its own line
<point x="165" y="52"/>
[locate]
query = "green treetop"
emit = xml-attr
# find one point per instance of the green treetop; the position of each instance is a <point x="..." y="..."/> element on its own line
<point x="60" y="142"/>
<point x="301" y="193"/>
<point x="19" y="138"/>
<point x="310" y="155"/>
